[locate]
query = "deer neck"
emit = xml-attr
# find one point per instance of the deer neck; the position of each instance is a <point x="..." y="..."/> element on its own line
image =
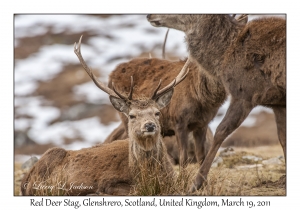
<point x="138" y="155"/>
<point x="209" y="39"/>
<point x="209" y="89"/>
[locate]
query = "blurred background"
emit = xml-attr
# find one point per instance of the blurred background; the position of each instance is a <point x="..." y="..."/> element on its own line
<point x="57" y="104"/>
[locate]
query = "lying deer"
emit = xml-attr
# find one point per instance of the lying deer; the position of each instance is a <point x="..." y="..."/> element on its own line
<point x="109" y="168"/>
<point x="249" y="60"/>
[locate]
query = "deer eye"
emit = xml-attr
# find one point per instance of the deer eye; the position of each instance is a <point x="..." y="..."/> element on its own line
<point x="132" y="116"/>
<point x="157" y="114"/>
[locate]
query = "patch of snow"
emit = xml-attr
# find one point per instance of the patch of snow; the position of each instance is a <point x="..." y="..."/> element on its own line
<point x="91" y="93"/>
<point x="24" y="88"/>
<point x="22" y="124"/>
<point x="42" y="115"/>
<point x="41" y="66"/>
<point x="90" y="129"/>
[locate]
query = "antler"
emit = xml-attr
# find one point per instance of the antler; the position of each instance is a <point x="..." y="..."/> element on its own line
<point x="242" y="17"/>
<point x="96" y="81"/>
<point x="164" y="45"/>
<point x="131" y="89"/>
<point x="239" y="18"/>
<point x="181" y="76"/>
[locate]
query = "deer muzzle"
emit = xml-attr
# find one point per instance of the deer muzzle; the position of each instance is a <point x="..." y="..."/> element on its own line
<point x="150" y="127"/>
<point x="154" y="21"/>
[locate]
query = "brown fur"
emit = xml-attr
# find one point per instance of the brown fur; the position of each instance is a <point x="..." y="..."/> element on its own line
<point x="250" y="61"/>
<point x="173" y="150"/>
<point x="104" y="167"/>
<point x="194" y="104"/>
<point x="108" y="168"/>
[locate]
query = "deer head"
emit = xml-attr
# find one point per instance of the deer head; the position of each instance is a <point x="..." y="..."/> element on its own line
<point x="143" y="114"/>
<point x="184" y="22"/>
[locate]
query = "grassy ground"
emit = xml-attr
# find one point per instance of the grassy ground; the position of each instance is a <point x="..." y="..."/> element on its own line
<point x="232" y="178"/>
<point x="228" y="179"/>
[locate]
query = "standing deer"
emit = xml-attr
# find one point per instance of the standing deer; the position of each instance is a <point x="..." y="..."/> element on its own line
<point x="193" y="105"/>
<point x="110" y="168"/>
<point x="188" y="112"/>
<point x="249" y="60"/>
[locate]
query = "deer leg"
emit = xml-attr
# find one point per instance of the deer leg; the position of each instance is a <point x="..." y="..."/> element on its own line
<point x="199" y="139"/>
<point x="235" y="115"/>
<point x="182" y="141"/>
<point x="280" y="117"/>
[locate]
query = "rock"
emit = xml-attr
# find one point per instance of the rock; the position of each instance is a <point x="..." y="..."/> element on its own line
<point x="229" y="151"/>
<point x="217" y="161"/>
<point x="274" y="161"/>
<point x="29" y="163"/>
<point x="281" y="158"/>
<point x="251" y="157"/>
<point x="249" y="166"/>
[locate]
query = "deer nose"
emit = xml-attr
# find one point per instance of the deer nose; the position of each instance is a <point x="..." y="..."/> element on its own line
<point x="150" y="127"/>
<point x="148" y="17"/>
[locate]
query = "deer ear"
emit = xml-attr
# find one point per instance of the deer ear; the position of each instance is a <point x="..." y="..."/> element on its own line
<point x="119" y="104"/>
<point x="163" y="100"/>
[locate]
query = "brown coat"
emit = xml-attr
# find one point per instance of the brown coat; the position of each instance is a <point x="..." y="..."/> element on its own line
<point x="194" y="104"/>
<point x="249" y="60"/>
<point x="103" y="169"/>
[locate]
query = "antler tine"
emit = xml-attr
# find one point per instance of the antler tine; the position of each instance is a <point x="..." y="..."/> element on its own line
<point x="119" y="94"/>
<point x="165" y="89"/>
<point x="242" y="17"/>
<point x="172" y="85"/>
<point x="89" y="71"/>
<point x="183" y="70"/>
<point x="155" y="91"/>
<point x="182" y="78"/>
<point x="131" y="89"/>
<point x="182" y="74"/>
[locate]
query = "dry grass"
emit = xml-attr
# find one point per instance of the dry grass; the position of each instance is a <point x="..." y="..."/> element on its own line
<point x="18" y="175"/>
<point x="221" y="181"/>
<point x="152" y="182"/>
<point x="263" y="151"/>
<point x="54" y="185"/>
<point x="225" y="180"/>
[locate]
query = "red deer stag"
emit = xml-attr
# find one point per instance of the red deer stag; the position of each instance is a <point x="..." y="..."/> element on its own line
<point x="109" y="168"/>
<point x="249" y="60"/>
